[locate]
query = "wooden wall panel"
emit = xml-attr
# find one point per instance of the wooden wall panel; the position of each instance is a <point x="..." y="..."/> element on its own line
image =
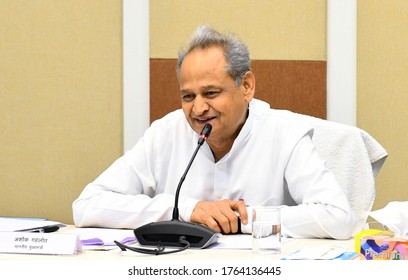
<point x="299" y="86"/>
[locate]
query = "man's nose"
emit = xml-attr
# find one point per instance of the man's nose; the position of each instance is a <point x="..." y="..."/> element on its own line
<point x="200" y="106"/>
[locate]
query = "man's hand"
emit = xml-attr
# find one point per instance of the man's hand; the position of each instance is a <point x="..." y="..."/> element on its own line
<point x="219" y="215"/>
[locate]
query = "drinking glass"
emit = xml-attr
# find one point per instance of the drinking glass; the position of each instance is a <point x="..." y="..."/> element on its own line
<point x="266" y="230"/>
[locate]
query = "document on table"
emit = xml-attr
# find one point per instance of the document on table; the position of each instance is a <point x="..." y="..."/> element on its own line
<point x="237" y="241"/>
<point x="321" y="253"/>
<point x="103" y="238"/>
<point x="28" y="224"/>
<point x="244" y="241"/>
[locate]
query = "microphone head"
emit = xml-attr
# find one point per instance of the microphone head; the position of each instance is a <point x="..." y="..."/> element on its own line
<point x="205" y="133"/>
<point x="206" y="130"/>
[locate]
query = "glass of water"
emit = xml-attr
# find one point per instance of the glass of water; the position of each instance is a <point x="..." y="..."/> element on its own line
<point x="266" y="230"/>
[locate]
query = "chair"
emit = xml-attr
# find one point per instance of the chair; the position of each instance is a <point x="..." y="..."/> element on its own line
<point x="353" y="155"/>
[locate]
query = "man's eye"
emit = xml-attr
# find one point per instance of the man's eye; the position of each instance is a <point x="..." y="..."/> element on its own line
<point x="187" y="97"/>
<point x="212" y="93"/>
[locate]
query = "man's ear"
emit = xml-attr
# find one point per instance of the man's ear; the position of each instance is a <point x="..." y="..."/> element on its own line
<point x="248" y="84"/>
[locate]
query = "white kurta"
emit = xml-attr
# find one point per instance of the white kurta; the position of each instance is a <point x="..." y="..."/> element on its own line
<point x="272" y="162"/>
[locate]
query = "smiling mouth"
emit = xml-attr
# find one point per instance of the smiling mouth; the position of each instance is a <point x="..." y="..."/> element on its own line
<point x="204" y="120"/>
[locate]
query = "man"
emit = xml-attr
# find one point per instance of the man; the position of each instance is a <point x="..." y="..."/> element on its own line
<point x="254" y="156"/>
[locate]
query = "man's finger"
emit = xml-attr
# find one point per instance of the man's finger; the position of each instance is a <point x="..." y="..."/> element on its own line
<point x="242" y="210"/>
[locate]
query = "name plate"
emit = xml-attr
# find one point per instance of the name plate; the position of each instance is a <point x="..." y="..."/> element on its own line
<point x="40" y="243"/>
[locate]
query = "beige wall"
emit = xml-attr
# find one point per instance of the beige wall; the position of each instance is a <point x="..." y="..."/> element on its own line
<point x="382" y="89"/>
<point x="60" y="101"/>
<point x="272" y="29"/>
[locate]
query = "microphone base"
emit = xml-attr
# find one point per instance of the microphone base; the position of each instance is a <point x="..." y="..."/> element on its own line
<point x="168" y="233"/>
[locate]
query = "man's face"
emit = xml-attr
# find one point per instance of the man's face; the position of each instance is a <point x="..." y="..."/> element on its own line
<point x="209" y="95"/>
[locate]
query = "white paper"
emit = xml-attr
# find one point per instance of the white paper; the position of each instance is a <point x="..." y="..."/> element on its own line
<point x="237" y="241"/>
<point x="316" y="253"/>
<point x="394" y="216"/>
<point x="25" y="224"/>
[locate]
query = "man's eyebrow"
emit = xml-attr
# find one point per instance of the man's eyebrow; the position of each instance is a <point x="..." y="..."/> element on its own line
<point x="203" y="88"/>
<point x="210" y="87"/>
<point x="186" y="91"/>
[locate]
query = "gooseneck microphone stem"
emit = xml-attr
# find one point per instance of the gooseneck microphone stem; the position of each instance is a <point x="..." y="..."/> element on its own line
<point x="175" y="210"/>
<point x="203" y="136"/>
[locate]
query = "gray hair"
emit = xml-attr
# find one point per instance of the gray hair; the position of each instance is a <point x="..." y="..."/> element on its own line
<point x="236" y="53"/>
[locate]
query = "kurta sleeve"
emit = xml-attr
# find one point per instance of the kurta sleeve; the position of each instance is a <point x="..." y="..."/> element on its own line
<point x="323" y="209"/>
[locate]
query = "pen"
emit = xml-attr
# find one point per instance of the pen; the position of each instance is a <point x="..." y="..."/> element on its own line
<point x="45" y="229"/>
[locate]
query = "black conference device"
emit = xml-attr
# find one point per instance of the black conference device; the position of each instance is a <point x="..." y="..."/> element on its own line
<point x="175" y="233"/>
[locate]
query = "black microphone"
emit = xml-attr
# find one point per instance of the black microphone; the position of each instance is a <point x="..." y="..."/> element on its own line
<point x="169" y="233"/>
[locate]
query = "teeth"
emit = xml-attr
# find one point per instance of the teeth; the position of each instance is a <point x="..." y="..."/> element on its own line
<point x="203" y="120"/>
